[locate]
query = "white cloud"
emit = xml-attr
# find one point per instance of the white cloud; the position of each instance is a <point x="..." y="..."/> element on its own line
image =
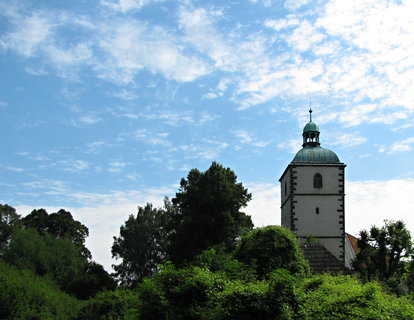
<point x="72" y="165"/>
<point x="371" y="202"/>
<point x="152" y="138"/>
<point x="346" y="140"/>
<point x="90" y="119"/>
<point x="246" y="138"/>
<point x="209" y="150"/>
<point x="280" y="24"/>
<point x="124" y="94"/>
<point x="291" y="146"/>
<point x="305" y="36"/>
<point x="11" y="168"/>
<point x="404" y="145"/>
<point x="264" y="208"/>
<point x="132" y="46"/>
<point x="295" y="4"/>
<point x="29" y="34"/>
<point x="127" y="5"/>
<point x="117" y="166"/>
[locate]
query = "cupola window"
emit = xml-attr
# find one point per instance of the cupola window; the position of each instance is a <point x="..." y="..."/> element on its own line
<point x="317" y="181"/>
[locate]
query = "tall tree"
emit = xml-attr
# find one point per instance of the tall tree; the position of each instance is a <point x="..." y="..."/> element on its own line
<point x="60" y="225"/>
<point x="209" y="206"/>
<point x="9" y="220"/>
<point x="142" y="243"/>
<point x="382" y="250"/>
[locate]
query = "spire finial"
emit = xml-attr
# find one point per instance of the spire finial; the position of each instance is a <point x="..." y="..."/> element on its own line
<point x="310" y="110"/>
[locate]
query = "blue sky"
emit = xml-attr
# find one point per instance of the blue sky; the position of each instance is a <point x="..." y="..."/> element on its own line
<point x="106" y="105"/>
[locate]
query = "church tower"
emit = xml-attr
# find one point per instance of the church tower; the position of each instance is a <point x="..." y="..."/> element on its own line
<point x="313" y="194"/>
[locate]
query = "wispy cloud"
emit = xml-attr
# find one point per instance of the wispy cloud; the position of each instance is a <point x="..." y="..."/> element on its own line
<point x="152" y="138"/>
<point x="131" y="46"/>
<point x="73" y="165"/>
<point x="401" y="146"/>
<point x="124" y="94"/>
<point x="11" y="168"/>
<point x="345" y="140"/>
<point x="89" y="119"/>
<point x="117" y="166"/>
<point x="29" y="34"/>
<point x="246" y="138"/>
<point x="127" y="5"/>
<point x="208" y="149"/>
<point x="291" y="145"/>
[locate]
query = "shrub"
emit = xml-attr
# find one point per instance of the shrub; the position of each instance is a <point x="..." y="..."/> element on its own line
<point x="270" y="248"/>
<point x="343" y="297"/>
<point x="25" y="295"/>
<point x="121" y="304"/>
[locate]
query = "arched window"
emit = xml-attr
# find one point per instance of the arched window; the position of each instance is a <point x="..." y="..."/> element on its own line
<point x="317" y="181"/>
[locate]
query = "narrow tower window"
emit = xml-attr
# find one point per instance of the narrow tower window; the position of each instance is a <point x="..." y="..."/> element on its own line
<point x="317" y="181"/>
<point x="285" y="188"/>
<point x="317" y="210"/>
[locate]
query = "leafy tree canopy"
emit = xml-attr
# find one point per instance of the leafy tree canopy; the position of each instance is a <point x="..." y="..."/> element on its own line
<point x="142" y="243"/>
<point x="382" y="250"/>
<point x="209" y="204"/>
<point x="60" y="225"/>
<point x="270" y="248"/>
<point x="9" y="220"/>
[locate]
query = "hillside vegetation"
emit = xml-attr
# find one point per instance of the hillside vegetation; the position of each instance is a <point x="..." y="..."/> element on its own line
<point x="197" y="257"/>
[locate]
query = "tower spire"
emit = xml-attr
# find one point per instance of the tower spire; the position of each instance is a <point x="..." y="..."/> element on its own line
<point x="310" y="110"/>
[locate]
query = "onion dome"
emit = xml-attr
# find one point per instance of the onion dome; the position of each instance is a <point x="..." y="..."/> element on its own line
<point x="312" y="152"/>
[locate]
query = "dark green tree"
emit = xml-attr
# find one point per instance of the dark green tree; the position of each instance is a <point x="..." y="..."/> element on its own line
<point x="60" y="225"/>
<point x="382" y="250"/>
<point x="209" y="206"/>
<point x="270" y="248"/>
<point x="43" y="254"/>
<point x="92" y="280"/>
<point x="142" y="243"/>
<point x="9" y="221"/>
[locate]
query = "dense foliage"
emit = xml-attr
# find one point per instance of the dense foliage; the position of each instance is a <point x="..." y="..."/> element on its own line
<point x="204" y="213"/>
<point x="142" y="243"/>
<point x="231" y="272"/>
<point x="383" y="255"/>
<point x="25" y="295"/>
<point x="52" y="246"/>
<point x="209" y="203"/>
<point x="271" y="248"/>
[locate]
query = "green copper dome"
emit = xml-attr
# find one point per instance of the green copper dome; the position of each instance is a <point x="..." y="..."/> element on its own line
<point x="312" y="152"/>
<point x="311" y="127"/>
<point x="315" y="154"/>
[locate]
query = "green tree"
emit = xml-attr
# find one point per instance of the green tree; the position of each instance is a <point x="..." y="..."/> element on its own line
<point x="270" y="248"/>
<point x="382" y="250"/>
<point x="45" y="255"/>
<point x="142" y="243"/>
<point x="209" y="206"/>
<point x="9" y="221"/>
<point x="60" y="225"/>
<point x="91" y="280"/>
